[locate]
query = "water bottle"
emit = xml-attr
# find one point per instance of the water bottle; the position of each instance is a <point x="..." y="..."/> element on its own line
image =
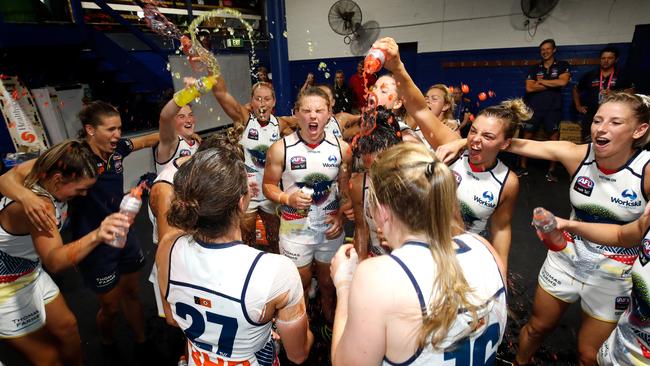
<point x="308" y="191"/>
<point x="260" y="232"/>
<point x="374" y="60"/>
<point x="546" y="225"/>
<point x="129" y="207"/>
<point x="188" y="94"/>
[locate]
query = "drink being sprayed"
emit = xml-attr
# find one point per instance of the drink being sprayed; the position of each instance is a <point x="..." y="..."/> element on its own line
<point x="546" y="225"/>
<point x="130" y="206"/>
<point x="374" y="61"/>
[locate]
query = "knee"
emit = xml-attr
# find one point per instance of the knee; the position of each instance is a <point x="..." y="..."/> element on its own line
<point x="537" y="328"/>
<point x="109" y="308"/>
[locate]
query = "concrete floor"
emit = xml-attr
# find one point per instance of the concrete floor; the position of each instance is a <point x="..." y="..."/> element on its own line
<point x="526" y="257"/>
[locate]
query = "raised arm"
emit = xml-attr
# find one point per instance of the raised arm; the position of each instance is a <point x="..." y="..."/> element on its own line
<point x="567" y="153"/>
<point x="167" y="130"/>
<point x="235" y="110"/>
<point x="434" y="131"/>
<point x="145" y="141"/>
<point x="37" y="210"/>
<point x="501" y="220"/>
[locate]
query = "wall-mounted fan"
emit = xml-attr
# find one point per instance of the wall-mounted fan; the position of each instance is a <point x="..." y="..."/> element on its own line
<point x="537" y="9"/>
<point x="345" y="19"/>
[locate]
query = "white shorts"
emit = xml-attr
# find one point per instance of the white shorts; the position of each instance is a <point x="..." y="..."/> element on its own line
<point x="153" y="278"/>
<point x="605" y="301"/>
<point x="304" y="254"/>
<point x="24" y="311"/>
<point x="267" y="206"/>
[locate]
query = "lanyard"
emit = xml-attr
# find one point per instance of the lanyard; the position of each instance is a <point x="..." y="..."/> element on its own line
<point x="609" y="83"/>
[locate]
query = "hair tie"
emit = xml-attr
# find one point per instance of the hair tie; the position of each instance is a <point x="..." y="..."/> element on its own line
<point x="428" y="171"/>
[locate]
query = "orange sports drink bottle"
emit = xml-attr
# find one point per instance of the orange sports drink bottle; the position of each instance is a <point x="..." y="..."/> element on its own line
<point x="260" y="232"/>
<point x="546" y="225"/>
<point x="374" y="60"/>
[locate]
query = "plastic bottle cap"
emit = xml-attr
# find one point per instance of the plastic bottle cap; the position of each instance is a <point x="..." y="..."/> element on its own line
<point x="136" y="192"/>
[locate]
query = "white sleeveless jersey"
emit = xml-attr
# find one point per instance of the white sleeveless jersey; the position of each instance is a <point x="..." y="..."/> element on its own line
<point x="19" y="262"/>
<point x="316" y="168"/>
<point x="211" y="289"/>
<point x="478" y="192"/>
<point x="183" y="148"/>
<point x="256" y="141"/>
<point x="629" y="344"/>
<point x="616" y="198"/>
<point x="164" y="177"/>
<point x="462" y="345"/>
<point x="420" y="135"/>
<point x="333" y="128"/>
<point x="375" y="246"/>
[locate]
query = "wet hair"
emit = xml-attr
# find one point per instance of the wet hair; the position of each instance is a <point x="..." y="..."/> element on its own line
<point x="228" y="139"/>
<point x="73" y="159"/>
<point x="207" y="191"/>
<point x="511" y="113"/>
<point x="262" y="84"/>
<point x="640" y="106"/>
<point x="420" y="192"/>
<point x="311" y="92"/>
<point x="383" y="134"/>
<point x="610" y="49"/>
<point x="548" y="40"/>
<point x="92" y="114"/>
<point x="448" y="98"/>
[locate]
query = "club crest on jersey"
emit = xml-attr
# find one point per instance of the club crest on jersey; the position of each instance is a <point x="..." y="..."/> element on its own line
<point x="644" y="254"/>
<point x="275" y="136"/>
<point x="628" y="199"/>
<point x="458" y="177"/>
<point x="253" y="134"/>
<point x="298" y="162"/>
<point x="622" y="302"/>
<point x="332" y="162"/>
<point x="584" y="185"/>
<point x="486" y="199"/>
<point x="117" y="162"/>
<point x="185" y="152"/>
<point x="203" y="302"/>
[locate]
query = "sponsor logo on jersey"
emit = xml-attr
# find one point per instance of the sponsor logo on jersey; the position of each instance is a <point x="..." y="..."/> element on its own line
<point x="622" y="302"/>
<point x="584" y="185"/>
<point x="185" y="152"/>
<point x="628" y="199"/>
<point x="644" y="254"/>
<point x="458" y="177"/>
<point x="332" y="162"/>
<point x="298" y="162"/>
<point x="487" y="199"/>
<point x="203" y="302"/>
<point x="275" y="136"/>
<point x="253" y="134"/>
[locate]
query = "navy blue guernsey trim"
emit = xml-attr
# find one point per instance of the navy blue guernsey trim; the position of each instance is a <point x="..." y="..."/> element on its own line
<point x="503" y="186"/>
<point x="300" y="139"/>
<point x="423" y="307"/>
<point x="643" y="180"/>
<point x="417" y="243"/>
<point x="582" y="163"/>
<point x="229" y="244"/>
<point x="201" y="288"/>
<point x="243" y="292"/>
<point x="284" y="159"/>
<point x="155" y="152"/>
<point x="462" y="247"/>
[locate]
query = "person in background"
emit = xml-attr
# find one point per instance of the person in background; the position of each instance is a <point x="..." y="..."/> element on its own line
<point x="309" y="82"/>
<point x="343" y="95"/>
<point x="462" y="110"/>
<point x="596" y="84"/>
<point x="358" y="87"/>
<point x="263" y="75"/>
<point x="544" y="84"/>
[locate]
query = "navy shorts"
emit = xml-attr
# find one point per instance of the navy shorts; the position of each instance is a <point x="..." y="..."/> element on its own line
<point x="549" y="118"/>
<point x="102" y="268"/>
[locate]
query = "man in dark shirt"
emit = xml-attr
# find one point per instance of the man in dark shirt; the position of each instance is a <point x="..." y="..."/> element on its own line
<point x="544" y="85"/>
<point x="597" y="83"/>
<point x="342" y="94"/>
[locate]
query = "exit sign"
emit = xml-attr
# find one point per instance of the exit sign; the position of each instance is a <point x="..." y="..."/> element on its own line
<point x="235" y="42"/>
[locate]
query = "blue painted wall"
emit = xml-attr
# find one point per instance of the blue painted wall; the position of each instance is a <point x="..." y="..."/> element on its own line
<point x="506" y="82"/>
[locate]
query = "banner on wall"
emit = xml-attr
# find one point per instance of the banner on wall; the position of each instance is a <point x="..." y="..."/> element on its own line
<point x="21" y="116"/>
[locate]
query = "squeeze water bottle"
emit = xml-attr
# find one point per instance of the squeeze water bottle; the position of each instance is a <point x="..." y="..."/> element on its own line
<point x="546" y="225"/>
<point x="374" y="60"/>
<point x="188" y="94"/>
<point x="129" y="206"/>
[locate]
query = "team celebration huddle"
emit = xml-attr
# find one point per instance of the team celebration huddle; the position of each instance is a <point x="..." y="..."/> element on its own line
<point x="376" y="233"/>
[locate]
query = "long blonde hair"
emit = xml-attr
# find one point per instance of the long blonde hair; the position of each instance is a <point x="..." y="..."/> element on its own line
<point x="420" y="191"/>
